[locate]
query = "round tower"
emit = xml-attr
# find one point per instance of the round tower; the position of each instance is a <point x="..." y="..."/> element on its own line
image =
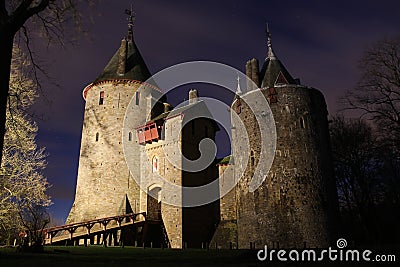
<point x="294" y="206"/>
<point x="104" y="183"/>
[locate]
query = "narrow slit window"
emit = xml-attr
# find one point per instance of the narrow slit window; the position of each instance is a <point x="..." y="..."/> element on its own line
<point x="252" y="158"/>
<point x="137" y="97"/>
<point x="130" y="136"/>
<point x="97" y="137"/>
<point x="101" y="99"/>
<point x="302" y="124"/>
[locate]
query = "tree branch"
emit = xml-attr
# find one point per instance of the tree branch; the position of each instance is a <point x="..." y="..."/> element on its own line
<point x="35" y="10"/>
<point x="30" y="53"/>
<point x="23" y="6"/>
<point x="24" y="12"/>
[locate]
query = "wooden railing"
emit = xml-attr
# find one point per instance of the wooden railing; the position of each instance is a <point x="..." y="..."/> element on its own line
<point x="49" y="233"/>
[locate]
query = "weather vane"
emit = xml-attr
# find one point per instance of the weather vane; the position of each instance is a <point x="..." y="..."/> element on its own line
<point x="131" y="19"/>
<point x="267" y="32"/>
<point x="238" y="90"/>
<point x="270" y="54"/>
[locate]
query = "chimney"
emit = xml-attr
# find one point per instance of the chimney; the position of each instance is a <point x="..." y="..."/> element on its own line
<point x="167" y="107"/>
<point x="193" y="95"/>
<point x="254" y="72"/>
<point x="122" y="58"/>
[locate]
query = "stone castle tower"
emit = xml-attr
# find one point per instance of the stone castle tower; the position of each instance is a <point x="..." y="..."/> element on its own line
<point x="102" y="169"/>
<point x="295" y="205"/>
<point x="117" y="131"/>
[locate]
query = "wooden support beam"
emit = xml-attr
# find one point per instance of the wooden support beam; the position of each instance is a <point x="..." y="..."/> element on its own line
<point x="50" y="233"/>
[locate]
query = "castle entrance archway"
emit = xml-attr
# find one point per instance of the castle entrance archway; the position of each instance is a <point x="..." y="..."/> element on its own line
<point x="154" y="204"/>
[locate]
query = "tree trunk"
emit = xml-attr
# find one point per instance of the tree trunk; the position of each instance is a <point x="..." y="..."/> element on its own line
<point x="6" y="46"/>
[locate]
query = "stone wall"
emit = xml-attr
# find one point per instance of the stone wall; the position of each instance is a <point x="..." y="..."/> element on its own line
<point x="171" y="215"/>
<point x="292" y="207"/>
<point x="199" y="222"/>
<point x="226" y="234"/>
<point x="188" y="227"/>
<point x="104" y="182"/>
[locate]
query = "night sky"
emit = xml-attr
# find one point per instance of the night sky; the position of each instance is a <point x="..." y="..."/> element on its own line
<point x="318" y="42"/>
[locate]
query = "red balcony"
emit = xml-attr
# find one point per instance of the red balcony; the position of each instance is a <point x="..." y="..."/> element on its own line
<point x="148" y="133"/>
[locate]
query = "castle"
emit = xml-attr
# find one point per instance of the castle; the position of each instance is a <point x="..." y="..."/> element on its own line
<point x="293" y="207"/>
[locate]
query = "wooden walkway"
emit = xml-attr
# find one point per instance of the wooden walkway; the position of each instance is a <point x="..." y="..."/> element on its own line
<point x="93" y="227"/>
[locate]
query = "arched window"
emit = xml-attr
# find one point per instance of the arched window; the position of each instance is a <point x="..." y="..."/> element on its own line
<point x="130" y="136"/>
<point x="155" y="164"/>
<point x="97" y="137"/>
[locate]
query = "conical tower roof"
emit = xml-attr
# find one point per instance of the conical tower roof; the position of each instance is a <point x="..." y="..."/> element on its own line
<point x="273" y="71"/>
<point x="127" y="62"/>
<point x="135" y="67"/>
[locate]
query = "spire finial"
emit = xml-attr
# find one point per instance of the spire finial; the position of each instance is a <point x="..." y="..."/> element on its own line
<point x="270" y="54"/>
<point x="238" y="90"/>
<point x="131" y="19"/>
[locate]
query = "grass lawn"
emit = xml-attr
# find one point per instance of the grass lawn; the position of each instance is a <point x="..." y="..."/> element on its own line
<point x="130" y="256"/>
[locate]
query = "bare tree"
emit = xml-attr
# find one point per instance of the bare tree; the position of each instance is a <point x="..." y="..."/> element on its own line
<point x="377" y="94"/>
<point x="34" y="218"/>
<point x="47" y="17"/>
<point x="377" y="99"/>
<point x="367" y="172"/>
<point x="357" y="166"/>
<point x="22" y="184"/>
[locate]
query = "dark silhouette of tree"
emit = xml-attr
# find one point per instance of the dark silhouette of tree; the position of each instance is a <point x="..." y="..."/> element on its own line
<point x="367" y="172"/>
<point x="47" y="16"/>
<point x="377" y="94"/>
<point x="35" y="218"/>
<point x="376" y="98"/>
<point x="356" y="167"/>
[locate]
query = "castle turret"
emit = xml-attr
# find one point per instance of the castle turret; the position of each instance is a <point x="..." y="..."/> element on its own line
<point x="104" y="184"/>
<point x="273" y="71"/>
<point x="294" y="206"/>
